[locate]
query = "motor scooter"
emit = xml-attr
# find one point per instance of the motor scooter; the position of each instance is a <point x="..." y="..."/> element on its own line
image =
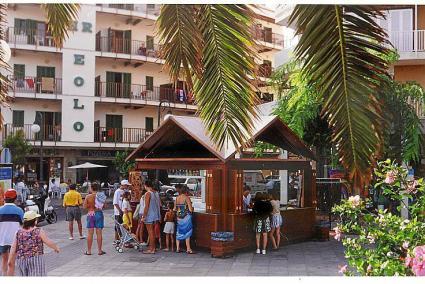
<point x="40" y="204"/>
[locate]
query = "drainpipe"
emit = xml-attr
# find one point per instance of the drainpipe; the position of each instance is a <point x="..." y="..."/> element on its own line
<point x="416" y="30"/>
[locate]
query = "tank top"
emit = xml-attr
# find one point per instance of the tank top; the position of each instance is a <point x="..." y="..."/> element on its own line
<point x="29" y="243"/>
<point x="182" y="210"/>
<point x="154" y="213"/>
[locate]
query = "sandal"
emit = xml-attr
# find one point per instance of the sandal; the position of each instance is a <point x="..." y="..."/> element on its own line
<point x="190" y="252"/>
<point x="148" y="252"/>
<point x="102" y="253"/>
<point x="87" y="253"/>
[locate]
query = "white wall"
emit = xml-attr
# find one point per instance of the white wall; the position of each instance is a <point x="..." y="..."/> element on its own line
<point x="24" y="11"/>
<point x="138" y="74"/>
<point x="30" y="107"/>
<point x="32" y="59"/>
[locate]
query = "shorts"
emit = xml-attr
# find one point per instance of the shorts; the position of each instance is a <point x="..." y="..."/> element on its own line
<point x="4" y="249"/>
<point x="276" y="220"/>
<point x="262" y="225"/>
<point x="118" y="218"/>
<point x="169" y="228"/>
<point x="157" y="230"/>
<point x="73" y="213"/>
<point x="128" y="221"/>
<point x="95" y="221"/>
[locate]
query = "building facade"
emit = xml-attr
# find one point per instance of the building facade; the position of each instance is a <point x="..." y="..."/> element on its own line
<point x="105" y="90"/>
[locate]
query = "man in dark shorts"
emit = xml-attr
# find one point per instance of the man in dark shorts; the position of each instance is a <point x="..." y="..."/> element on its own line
<point x="72" y="201"/>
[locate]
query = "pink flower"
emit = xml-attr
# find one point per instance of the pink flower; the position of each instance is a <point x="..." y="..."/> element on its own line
<point x="411" y="187"/>
<point x="418" y="261"/>
<point x="408" y="262"/>
<point x="354" y="200"/>
<point x="405" y="245"/>
<point x="369" y="268"/>
<point x="343" y="269"/>
<point x="390" y="177"/>
<point x="338" y="234"/>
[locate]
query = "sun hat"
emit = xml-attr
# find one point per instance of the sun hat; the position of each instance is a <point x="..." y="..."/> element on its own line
<point x="125" y="182"/>
<point x="10" y="194"/>
<point x="30" y="215"/>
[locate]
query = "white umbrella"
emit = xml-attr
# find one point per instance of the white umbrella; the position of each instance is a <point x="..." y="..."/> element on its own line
<point x="87" y="166"/>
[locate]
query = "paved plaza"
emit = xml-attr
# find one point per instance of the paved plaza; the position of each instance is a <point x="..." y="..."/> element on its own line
<point x="302" y="259"/>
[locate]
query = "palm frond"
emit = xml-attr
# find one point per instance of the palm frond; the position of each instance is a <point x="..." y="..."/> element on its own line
<point x="4" y="66"/>
<point x="342" y="48"/>
<point x="182" y="41"/>
<point x="225" y="95"/>
<point x="59" y="20"/>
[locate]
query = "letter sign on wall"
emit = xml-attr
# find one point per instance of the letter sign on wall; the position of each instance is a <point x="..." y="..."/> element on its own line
<point x="78" y="126"/>
<point x="78" y="81"/>
<point x="79" y="59"/>
<point x="76" y="106"/>
<point x="87" y="27"/>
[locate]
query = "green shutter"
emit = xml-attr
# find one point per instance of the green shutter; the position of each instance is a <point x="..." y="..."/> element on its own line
<point x="20" y="26"/>
<point x="149" y="124"/>
<point x="149" y="42"/>
<point x="114" y="128"/>
<point x="126" y="85"/>
<point x="149" y="83"/>
<point x="19" y="71"/>
<point x="46" y="71"/>
<point x="110" y="86"/>
<point x="18" y="118"/>
<point x="127" y="41"/>
<point x="31" y="30"/>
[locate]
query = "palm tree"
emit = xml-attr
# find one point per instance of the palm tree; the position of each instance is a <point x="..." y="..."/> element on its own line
<point x="59" y="20"/>
<point x="343" y="49"/>
<point x="212" y="48"/>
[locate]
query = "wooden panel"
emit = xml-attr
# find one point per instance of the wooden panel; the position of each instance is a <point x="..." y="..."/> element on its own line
<point x="203" y="225"/>
<point x="235" y="191"/>
<point x="267" y="164"/>
<point x="298" y="224"/>
<point x="242" y="225"/>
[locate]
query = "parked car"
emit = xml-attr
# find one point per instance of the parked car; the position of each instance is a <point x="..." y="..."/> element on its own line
<point x="255" y="180"/>
<point x="271" y="177"/>
<point x="194" y="183"/>
<point x="273" y="188"/>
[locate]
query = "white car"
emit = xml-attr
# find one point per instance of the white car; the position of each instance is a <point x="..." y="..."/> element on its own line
<point x="192" y="182"/>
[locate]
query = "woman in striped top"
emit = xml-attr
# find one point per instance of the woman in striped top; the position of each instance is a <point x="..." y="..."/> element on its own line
<point x="28" y="248"/>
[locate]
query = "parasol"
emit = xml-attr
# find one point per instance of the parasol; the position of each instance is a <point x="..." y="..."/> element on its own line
<point x="87" y="166"/>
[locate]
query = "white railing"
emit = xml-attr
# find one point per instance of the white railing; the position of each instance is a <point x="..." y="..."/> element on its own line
<point x="408" y="41"/>
<point x="419" y="107"/>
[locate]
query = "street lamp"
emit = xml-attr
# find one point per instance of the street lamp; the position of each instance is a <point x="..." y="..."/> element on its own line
<point x="35" y="128"/>
<point x="163" y="108"/>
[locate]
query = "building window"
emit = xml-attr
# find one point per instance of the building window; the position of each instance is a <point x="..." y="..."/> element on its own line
<point x="149" y="83"/>
<point x="18" y="118"/>
<point x="150" y="6"/>
<point x="19" y="71"/>
<point x="149" y="42"/>
<point x="149" y="124"/>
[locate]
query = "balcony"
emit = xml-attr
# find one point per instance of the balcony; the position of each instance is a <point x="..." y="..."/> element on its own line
<point x="120" y="135"/>
<point x="50" y="132"/>
<point x="419" y="107"/>
<point x="409" y="44"/>
<point x="267" y="38"/>
<point x="127" y="46"/>
<point x="36" y="38"/>
<point x="141" y="10"/>
<point x="265" y="70"/>
<point x="36" y="85"/>
<point x="142" y="93"/>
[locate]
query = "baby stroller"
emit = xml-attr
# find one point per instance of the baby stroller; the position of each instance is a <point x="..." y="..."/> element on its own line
<point x="126" y="238"/>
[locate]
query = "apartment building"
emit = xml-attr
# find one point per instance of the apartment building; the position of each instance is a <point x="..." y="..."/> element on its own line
<point x="105" y="90"/>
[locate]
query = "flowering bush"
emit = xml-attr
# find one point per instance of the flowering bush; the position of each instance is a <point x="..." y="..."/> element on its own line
<point x="380" y="242"/>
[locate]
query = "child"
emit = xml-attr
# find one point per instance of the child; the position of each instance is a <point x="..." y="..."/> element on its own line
<point x="127" y="218"/>
<point x="28" y="248"/>
<point x="276" y="222"/>
<point x="169" y="227"/>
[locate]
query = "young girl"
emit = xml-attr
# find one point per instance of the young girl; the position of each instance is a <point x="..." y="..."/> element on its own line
<point x="28" y="249"/>
<point x="127" y="218"/>
<point x="169" y="227"/>
<point x="141" y="226"/>
<point x="276" y="222"/>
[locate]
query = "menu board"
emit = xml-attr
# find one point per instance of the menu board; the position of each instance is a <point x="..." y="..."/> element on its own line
<point x="5" y="180"/>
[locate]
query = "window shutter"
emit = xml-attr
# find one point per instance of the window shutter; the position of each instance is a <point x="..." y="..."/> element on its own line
<point x="18" y="118"/>
<point x="149" y="42"/>
<point x="149" y="124"/>
<point x="149" y="83"/>
<point x="19" y="71"/>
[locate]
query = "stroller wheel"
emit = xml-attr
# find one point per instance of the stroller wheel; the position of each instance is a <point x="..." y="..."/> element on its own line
<point x="136" y="247"/>
<point x="117" y="248"/>
<point x="120" y="250"/>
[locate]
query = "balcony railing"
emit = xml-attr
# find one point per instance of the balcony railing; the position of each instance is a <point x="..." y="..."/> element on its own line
<point x="419" y="107"/>
<point x="36" y="85"/>
<point x="267" y="36"/>
<point x="408" y="41"/>
<point x="265" y="70"/>
<point x="50" y="132"/>
<point x="127" y="46"/>
<point x="31" y="37"/>
<point x="141" y="92"/>
<point x="140" y="8"/>
<point x="120" y="135"/>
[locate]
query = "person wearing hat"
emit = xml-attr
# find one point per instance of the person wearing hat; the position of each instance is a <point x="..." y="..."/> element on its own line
<point x="117" y="202"/>
<point x="72" y="201"/>
<point x="11" y="217"/>
<point x="28" y="248"/>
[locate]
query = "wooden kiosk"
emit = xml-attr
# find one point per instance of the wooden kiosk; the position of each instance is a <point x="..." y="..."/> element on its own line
<point x="182" y="143"/>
